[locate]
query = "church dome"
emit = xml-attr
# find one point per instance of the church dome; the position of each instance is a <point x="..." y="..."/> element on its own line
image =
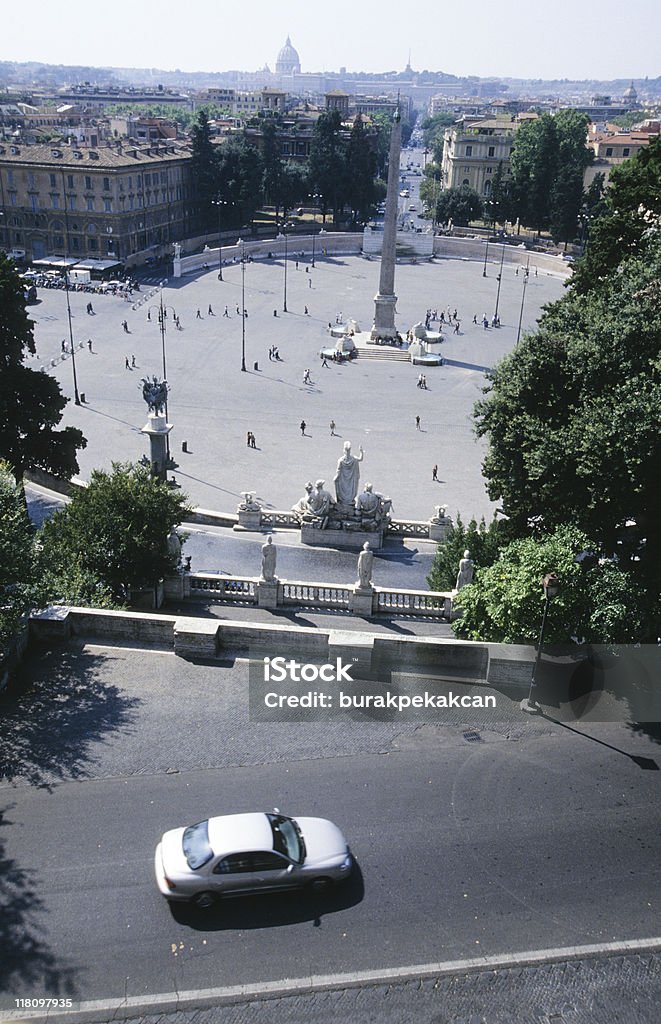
<point x="288" y="61"/>
<point x="630" y="93"/>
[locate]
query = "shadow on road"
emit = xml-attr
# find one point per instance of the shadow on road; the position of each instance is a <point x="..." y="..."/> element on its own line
<point x="272" y="910"/>
<point x="26" y="957"/>
<point x="57" y="709"/>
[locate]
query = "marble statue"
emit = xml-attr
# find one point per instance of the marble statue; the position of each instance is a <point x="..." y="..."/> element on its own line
<point x="465" y="574"/>
<point x="347" y="475"/>
<point x="319" y="504"/>
<point x="177" y="251"/>
<point x="302" y="506"/>
<point x="155" y="393"/>
<point x="174" y="547"/>
<point x="269" y="555"/>
<point x="365" y="560"/>
<point x="372" y="507"/>
<point x="249" y="504"/>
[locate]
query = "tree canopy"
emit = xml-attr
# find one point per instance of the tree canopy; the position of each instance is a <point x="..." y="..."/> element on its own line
<point x="18" y="561"/>
<point x="460" y="205"/>
<point x="113" y="535"/>
<point x="31" y="402"/>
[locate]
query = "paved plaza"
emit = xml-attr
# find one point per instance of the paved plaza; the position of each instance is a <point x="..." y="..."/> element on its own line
<point x="213" y="405"/>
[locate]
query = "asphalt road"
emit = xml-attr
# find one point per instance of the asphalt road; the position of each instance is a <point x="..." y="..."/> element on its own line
<point x="533" y="837"/>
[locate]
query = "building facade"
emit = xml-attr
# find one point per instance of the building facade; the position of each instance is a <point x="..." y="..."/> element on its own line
<point x="108" y="203"/>
<point x="473" y="151"/>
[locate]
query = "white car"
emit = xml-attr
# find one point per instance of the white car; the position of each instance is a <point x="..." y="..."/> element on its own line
<point x="245" y="853"/>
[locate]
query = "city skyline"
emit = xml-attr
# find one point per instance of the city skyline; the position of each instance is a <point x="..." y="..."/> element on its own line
<point x="579" y="42"/>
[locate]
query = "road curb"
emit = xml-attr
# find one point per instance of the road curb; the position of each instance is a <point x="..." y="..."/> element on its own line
<point x="172" y="1002"/>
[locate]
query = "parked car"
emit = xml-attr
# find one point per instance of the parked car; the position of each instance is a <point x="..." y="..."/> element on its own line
<point x="235" y="854"/>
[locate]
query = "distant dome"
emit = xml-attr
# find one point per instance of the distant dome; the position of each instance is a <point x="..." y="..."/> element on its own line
<point x="288" y="61"/>
<point x="630" y="93"/>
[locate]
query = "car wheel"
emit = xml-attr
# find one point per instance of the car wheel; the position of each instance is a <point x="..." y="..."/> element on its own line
<point x="204" y="900"/>
<point x="320" y="885"/>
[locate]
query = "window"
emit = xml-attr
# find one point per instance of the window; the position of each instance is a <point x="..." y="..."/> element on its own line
<point x="237" y="863"/>
<point x="469" y="150"/>
<point x="130" y="185"/>
<point x="626" y="151"/>
<point x="93" y="244"/>
<point x="75" y="244"/>
<point x="106" y="184"/>
<point x="52" y="181"/>
<point x="88" y="182"/>
<point x="466" y="170"/>
<point x="30" y="179"/>
<point x="34" y="203"/>
<point x="91" y="229"/>
<point x="489" y="170"/>
<point x="147" y="180"/>
<point x="492" y="151"/>
<point x="90" y="203"/>
<point x="609" y="151"/>
<point x="69" y="180"/>
<point x="55" y="202"/>
<point x="465" y="182"/>
<point x="107" y="205"/>
<point x="10" y="177"/>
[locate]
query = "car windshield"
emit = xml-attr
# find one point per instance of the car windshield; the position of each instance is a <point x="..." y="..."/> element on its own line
<point x="197" y="850"/>
<point x="287" y="837"/>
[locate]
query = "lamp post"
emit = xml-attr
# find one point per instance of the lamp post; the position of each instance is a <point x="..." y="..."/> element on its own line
<point x="219" y="203"/>
<point x="76" y="396"/>
<point x="315" y="197"/>
<point x="499" y="279"/>
<point x="551" y="587"/>
<point x="243" y="304"/>
<point x="486" y="252"/>
<point x="526" y="274"/>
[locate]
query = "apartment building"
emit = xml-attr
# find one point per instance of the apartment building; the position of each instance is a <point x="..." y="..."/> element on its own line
<point x="474" y="149"/>
<point x="105" y="203"/>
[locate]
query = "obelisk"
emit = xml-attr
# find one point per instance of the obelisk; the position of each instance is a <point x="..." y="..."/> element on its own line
<point x="386" y="300"/>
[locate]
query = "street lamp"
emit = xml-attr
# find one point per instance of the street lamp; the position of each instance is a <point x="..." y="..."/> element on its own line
<point x="315" y="197"/>
<point x="243" y="304"/>
<point x="499" y="279"/>
<point x="76" y="396"/>
<point x="486" y="252"/>
<point x="526" y="274"/>
<point x="219" y="203"/>
<point x="551" y="587"/>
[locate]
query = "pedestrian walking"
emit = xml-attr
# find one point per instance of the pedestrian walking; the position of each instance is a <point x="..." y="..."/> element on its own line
<point x="306" y="310"/>
<point x="238" y="311"/>
<point x="125" y="326"/>
<point x="275" y="312"/>
<point x="64" y="345"/>
<point x="148" y="315"/>
<point x="419" y="384"/>
<point x="210" y="311"/>
<point x="253" y="442"/>
<point x="324" y="363"/>
<point x="456" y="328"/>
<point x="306" y="377"/>
<point x="474" y="318"/>
<point x="332" y="428"/>
<point x="248" y="439"/>
<point x="303" y="426"/>
<point x="89" y="344"/>
<point x="417" y="423"/>
<point x="307" y="270"/>
<point x="127" y="363"/>
<point x="227" y="312"/>
<point x="309" y="281"/>
<point x="132" y="361"/>
<point x="297" y="264"/>
<point x="198" y="315"/>
<point x="434" y="473"/>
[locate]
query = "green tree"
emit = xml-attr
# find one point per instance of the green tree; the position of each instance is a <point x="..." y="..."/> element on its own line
<point x="483" y="542"/>
<point x="204" y="171"/>
<point x="631" y="208"/>
<point x="18" y="572"/>
<point x="361" y="170"/>
<point x="433" y="133"/>
<point x="293" y="186"/>
<point x="572" y="417"/>
<point x="430" y="187"/>
<point x="240" y="177"/>
<point x="500" y="209"/>
<point x="574" y="157"/>
<point x="113" y="535"/>
<point x="534" y="169"/>
<point x="31" y="403"/>
<point x="460" y="205"/>
<point x="504" y="604"/>
<point x="328" y="167"/>
<point x="272" y="164"/>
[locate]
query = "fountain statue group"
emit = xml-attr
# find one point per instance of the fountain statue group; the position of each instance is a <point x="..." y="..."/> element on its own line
<point x="350" y="510"/>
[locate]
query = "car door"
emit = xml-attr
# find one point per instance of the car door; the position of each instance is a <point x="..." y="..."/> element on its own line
<point x="274" y="871"/>
<point x="235" y="873"/>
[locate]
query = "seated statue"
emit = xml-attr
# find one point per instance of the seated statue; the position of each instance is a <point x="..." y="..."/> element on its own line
<point x="302" y="506"/>
<point x="320" y="504"/>
<point x="372" y="507"/>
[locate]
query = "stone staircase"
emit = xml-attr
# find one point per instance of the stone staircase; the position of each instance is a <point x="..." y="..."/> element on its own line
<point x="395" y="355"/>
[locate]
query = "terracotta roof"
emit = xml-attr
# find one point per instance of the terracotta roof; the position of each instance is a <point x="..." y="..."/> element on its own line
<point x="104" y="156"/>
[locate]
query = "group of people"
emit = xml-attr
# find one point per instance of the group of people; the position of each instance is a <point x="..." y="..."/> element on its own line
<point x="422" y="382"/>
<point x="274" y="354"/>
<point x="250" y="440"/>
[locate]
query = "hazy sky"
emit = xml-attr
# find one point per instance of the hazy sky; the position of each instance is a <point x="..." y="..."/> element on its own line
<point x="518" y="38"/>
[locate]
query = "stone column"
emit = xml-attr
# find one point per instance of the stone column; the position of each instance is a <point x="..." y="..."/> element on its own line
<point x="157" y="429"/>
<point x="386" y="300"/>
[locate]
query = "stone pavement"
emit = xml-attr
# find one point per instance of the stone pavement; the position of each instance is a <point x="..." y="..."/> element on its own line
<point x="603" y="990"/>
<point x="213" y="404"/>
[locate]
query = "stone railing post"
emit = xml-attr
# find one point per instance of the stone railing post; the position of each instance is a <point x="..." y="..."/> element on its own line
<point x="440" y="524"/>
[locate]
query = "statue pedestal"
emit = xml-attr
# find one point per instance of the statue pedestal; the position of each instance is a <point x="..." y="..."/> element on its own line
<point x="362" y="600"/>
<point x="158" y="431"/>
<point x="249" y="520"/>
<point x="267" y="593"/>
<point x="177" y="587"/>
<point x="439" y="528"/>
<point x="351" y="539"/>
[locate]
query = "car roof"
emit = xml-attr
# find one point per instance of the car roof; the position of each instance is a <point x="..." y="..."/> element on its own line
<point x="240" y="833"/>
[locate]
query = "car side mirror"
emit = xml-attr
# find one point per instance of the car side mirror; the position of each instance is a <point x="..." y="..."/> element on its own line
<point x="290" y="868"/>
